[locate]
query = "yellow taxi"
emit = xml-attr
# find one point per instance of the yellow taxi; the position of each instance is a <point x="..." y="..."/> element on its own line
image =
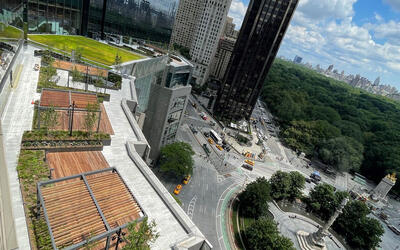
<point x="249" y="162"/>
<point x="186" y="179"/>
<point x="219" y="147"/>
<point x="178" y="189"/>
<point x="210" y="141"/>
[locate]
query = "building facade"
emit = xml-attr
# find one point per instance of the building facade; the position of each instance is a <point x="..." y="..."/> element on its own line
<point x="262" y="31"/>
<point x="143" y="19"/>
<point x="229" y="30"/>
<point x="199" y="29"/>
<point x="222" y="57"/>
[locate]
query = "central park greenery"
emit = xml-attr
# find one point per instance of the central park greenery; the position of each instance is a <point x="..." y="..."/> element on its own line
<point x="342" y="126"/>
<point x="354" y="225"/>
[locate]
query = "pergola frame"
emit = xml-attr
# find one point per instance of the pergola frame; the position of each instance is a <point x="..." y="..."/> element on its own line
<point x="110" y="231"/>
<point x="70" y="109"/>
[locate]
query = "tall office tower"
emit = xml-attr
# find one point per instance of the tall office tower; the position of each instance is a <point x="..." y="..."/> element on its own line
<point x="229" y="29"/>
<point x="262" y="31"/>
<point x="198" y="26"/>
<point x="222" y="57"/>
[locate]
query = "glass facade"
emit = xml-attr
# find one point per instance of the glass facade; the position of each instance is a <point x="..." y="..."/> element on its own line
<point x="61" y="17"/>
<point x="257" y="45"/>
<point x="143" y="19"/>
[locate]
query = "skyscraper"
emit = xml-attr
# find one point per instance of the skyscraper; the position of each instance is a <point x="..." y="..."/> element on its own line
<point x="198" y="26"/>
<point x="262" y="31"/>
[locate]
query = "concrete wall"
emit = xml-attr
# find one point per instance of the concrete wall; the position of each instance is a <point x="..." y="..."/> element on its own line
<point x="157" y="114"/>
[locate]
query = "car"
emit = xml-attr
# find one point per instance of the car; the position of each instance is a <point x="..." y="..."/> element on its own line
<point x="247" y="166"/>
<point x="206" y="134"/>
<point x="194" y="131"/>
<point x="219" y="147"/>
<point x="187" y="179"/>
<point x="212" y="123"/>
<point x="210" y="141"/>
<point x="308" y="180"/>
<point x="178" y="189"/>
<point x="249" y="162"/>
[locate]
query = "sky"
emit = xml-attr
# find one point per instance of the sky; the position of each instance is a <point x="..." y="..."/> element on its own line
<point x="357" y="36"/>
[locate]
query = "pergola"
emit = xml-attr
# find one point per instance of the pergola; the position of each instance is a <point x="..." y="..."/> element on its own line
<point x="88" y="207"/>
<point x="67" y="100"/>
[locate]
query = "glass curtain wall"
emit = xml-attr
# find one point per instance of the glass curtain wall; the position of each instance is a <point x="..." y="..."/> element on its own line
<point x="61" y="17"/>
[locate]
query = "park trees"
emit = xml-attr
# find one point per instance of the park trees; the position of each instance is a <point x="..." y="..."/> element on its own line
<point x="324" y="201"/>
<point x="263" y="234"/>
<point x="176" y="159"/>
<point x="286" y="185"/>
<point x="140" y="235"/>
<point x="360" y="231"/>
<point x="334" y="122"/>
<point x="254" y="199"/>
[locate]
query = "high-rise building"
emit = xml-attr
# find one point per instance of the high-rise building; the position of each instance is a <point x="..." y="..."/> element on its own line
<point x="143" y="19"/>
<point x="198" y="26"/>
<point x="229" y="30"/>
<point x="262" y="31"/>
<point x="222" y="57"/>
<point x="297" y="59"/>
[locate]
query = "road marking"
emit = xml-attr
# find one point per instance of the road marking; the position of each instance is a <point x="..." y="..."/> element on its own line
<point x="192" y="203"/>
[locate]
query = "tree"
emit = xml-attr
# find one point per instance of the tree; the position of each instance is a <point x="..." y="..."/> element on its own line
<point x="263" y="234"/>
<point x="176" y="159"/>
<point x="323" y="200"/>
<point x="47" y="58"/>
<point x="76" y="75"/>
<point x="360" y="231"/>
<point x="140" y="236"/>
<point x="254" y="199"/>
<point x="91" y="116"/>
<point x="117" y="62"/>
<point x="297" y="183"/>
<point x="280" y="185"/>
<point x="50" y="118"/>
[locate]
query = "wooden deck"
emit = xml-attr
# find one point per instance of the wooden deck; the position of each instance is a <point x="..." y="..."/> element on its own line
<point x="79" y="121"/>
<point x="64" y="99"/>
<point x="73" y="215"/>
<point x="72" y="163"/>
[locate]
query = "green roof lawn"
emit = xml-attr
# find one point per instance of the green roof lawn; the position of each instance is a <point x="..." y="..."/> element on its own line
<point x="91" y="49"/>
<point x="10" y="32"/>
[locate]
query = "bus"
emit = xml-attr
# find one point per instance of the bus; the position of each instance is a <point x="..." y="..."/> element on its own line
<point x="215" y="137"/>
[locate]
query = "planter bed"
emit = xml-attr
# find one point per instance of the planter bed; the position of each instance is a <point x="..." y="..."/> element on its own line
<point x="61" y="144"/>
<point x="40" y="135"/>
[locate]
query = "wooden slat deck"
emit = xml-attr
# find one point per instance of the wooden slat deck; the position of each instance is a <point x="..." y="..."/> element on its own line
<point x="115" y="200"/>
<point x="82" y="99"/>
<point x="79" y="121"/>
<point x="72" y="163"/>
<point x="54" y="98"/>
<point x="72" y="213"/>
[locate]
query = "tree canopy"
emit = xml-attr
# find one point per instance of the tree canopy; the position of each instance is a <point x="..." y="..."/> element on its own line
<point x="286" y="185"/>
<point x="141" y="235"/>
<point x="176" y="158"/>
<point x="263" y="234"/>
<point x="342" y="126"/>
<point x="253" y="200"/>
<point x="360" y="231"/>
<point x="324" y="201"/>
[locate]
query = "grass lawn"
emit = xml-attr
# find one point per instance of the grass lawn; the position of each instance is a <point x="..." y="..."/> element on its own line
<point x="91" y="49"/>
<point x="11" y="32"/>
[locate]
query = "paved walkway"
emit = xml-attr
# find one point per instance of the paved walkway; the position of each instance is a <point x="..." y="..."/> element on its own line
<point x="169" y="228"/>
<point x="16" y="119"/>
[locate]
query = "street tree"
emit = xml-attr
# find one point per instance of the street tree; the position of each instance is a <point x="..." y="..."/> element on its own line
<point x="176" y="159"/>
<point x="263" y="234"/>
<point x="140" y="235"/>
<point x="91" y="116"/>
<point x="297" y="183"/>
<point x="360" y="231"/>
<point x="280" y="185"/>
<point x="50" y="118"/>
<point x="117" y="61"/>
<point x="254" y="199"/>
<point x="323" y="200"/>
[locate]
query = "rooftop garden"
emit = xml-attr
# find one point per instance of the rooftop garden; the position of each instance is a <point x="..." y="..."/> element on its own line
<point x="89" y="48"/>
<point x="10" y="32"/>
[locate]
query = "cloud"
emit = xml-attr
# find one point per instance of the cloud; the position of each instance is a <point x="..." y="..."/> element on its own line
<point x="395" y="4"/>
<point x="237" y="12"/>
<point x="323" y="32"/>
